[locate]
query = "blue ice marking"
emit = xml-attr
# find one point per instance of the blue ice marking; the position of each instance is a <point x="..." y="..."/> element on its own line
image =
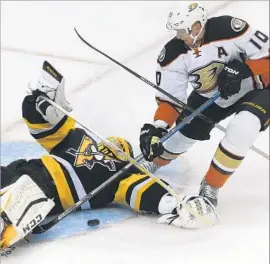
<point x="75" y="223"/>
<point x="11" y="151"/>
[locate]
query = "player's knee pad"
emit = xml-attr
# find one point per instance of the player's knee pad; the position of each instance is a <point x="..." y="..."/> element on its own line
<point x="241" y="133"/>
<point x="176" y="145"/>
<point x="23" y="206"/>
<point x="258" y="105"/>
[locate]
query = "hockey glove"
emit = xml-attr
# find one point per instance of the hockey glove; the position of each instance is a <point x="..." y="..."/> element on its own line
<point x="180" y="216"/>
<point x="230" y="78"/>
<point x="150" y="144"/>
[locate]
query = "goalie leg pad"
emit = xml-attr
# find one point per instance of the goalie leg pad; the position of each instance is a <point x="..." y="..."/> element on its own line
<point x="23" y="206"/>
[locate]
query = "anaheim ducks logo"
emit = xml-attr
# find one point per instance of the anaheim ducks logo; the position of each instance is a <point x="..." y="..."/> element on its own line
<point x="88" y="155"/>
<point x="192" y="6"/>
<point x="205" y="78"/>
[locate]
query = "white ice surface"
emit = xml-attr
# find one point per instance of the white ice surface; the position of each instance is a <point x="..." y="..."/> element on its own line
<point x="113" y="102"/>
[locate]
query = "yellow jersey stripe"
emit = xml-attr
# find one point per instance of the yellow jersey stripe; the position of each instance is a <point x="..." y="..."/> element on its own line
<point x="140" y="193"/>
<point x="120" y="195"/>
<point x="50" y="141"/>
<point x="37" y="126"/>
<point x="60" y="181"/>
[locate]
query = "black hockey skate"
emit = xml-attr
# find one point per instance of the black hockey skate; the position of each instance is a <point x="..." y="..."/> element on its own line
<point x="209" y="192"/>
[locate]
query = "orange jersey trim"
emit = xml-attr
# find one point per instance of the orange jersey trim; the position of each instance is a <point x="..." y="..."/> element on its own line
<point x="167" y="113"/>
<point x="260" y="66"/>
<point x="265" y="78"/>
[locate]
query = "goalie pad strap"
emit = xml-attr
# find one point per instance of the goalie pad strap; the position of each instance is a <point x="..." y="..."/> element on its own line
<point x="28" y="207"/>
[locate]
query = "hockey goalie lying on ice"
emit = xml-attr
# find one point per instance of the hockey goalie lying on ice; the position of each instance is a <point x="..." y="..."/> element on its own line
<point x="76" y="165"/>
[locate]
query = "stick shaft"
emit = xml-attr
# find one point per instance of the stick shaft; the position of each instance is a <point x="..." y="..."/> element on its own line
<point x="74" y="207"/>
<point x="45" y="227"/>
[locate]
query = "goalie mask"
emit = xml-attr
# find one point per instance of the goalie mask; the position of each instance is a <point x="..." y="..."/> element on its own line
<point x="122" y="144"/>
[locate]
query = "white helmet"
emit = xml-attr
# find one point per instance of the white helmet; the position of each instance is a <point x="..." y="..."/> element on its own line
<point x="185" y="16"/>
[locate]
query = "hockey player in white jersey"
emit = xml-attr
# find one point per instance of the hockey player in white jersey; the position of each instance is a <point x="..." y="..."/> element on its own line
<point x="220" y="53"/>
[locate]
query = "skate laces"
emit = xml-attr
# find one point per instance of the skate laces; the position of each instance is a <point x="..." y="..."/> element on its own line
<point x="209" y="192"/>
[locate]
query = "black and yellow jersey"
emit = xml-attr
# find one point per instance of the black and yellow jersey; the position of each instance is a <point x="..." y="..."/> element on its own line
<point x="77" y="165"/>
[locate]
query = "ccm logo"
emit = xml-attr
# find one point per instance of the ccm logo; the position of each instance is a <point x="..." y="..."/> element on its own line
<point x="231" y="70"/>
<point x="32" y="224"/>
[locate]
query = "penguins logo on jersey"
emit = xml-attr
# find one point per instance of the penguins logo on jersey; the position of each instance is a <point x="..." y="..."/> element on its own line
<point x="237" y="24"/>
<point x="88" y="155"/>
<point x="205" y="78"/>
<point x="192" y="6"/>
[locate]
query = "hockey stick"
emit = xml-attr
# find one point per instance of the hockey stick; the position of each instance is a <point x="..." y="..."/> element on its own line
<point x="43" y="228"/>
<point x="177" y="101"/>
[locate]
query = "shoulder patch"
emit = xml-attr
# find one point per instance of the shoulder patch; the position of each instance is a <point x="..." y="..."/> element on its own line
<point x="162" y="55"/>
<point x="238" y="24"/>
<point x="171" y="51"/>
<point x="224" y="27"/>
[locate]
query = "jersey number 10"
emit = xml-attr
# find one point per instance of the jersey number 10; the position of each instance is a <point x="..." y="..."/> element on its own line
<point x="260" y="36"/>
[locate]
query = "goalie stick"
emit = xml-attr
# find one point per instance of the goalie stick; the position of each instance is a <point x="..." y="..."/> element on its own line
<point x="176" y="101"/>
<point x="43" y="228"/>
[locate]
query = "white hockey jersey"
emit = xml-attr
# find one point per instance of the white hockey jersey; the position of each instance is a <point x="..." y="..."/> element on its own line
<point x="226" y="38"/>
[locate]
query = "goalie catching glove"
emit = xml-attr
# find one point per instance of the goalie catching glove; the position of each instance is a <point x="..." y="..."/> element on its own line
<point x="183" y="217"/>
<point x="150" y="144"/>
<point x="51" y="84"/>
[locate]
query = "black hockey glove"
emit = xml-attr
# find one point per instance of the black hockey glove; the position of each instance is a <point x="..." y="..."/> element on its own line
<point x="150" y="144"/>
<point x="230" y="78"/>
